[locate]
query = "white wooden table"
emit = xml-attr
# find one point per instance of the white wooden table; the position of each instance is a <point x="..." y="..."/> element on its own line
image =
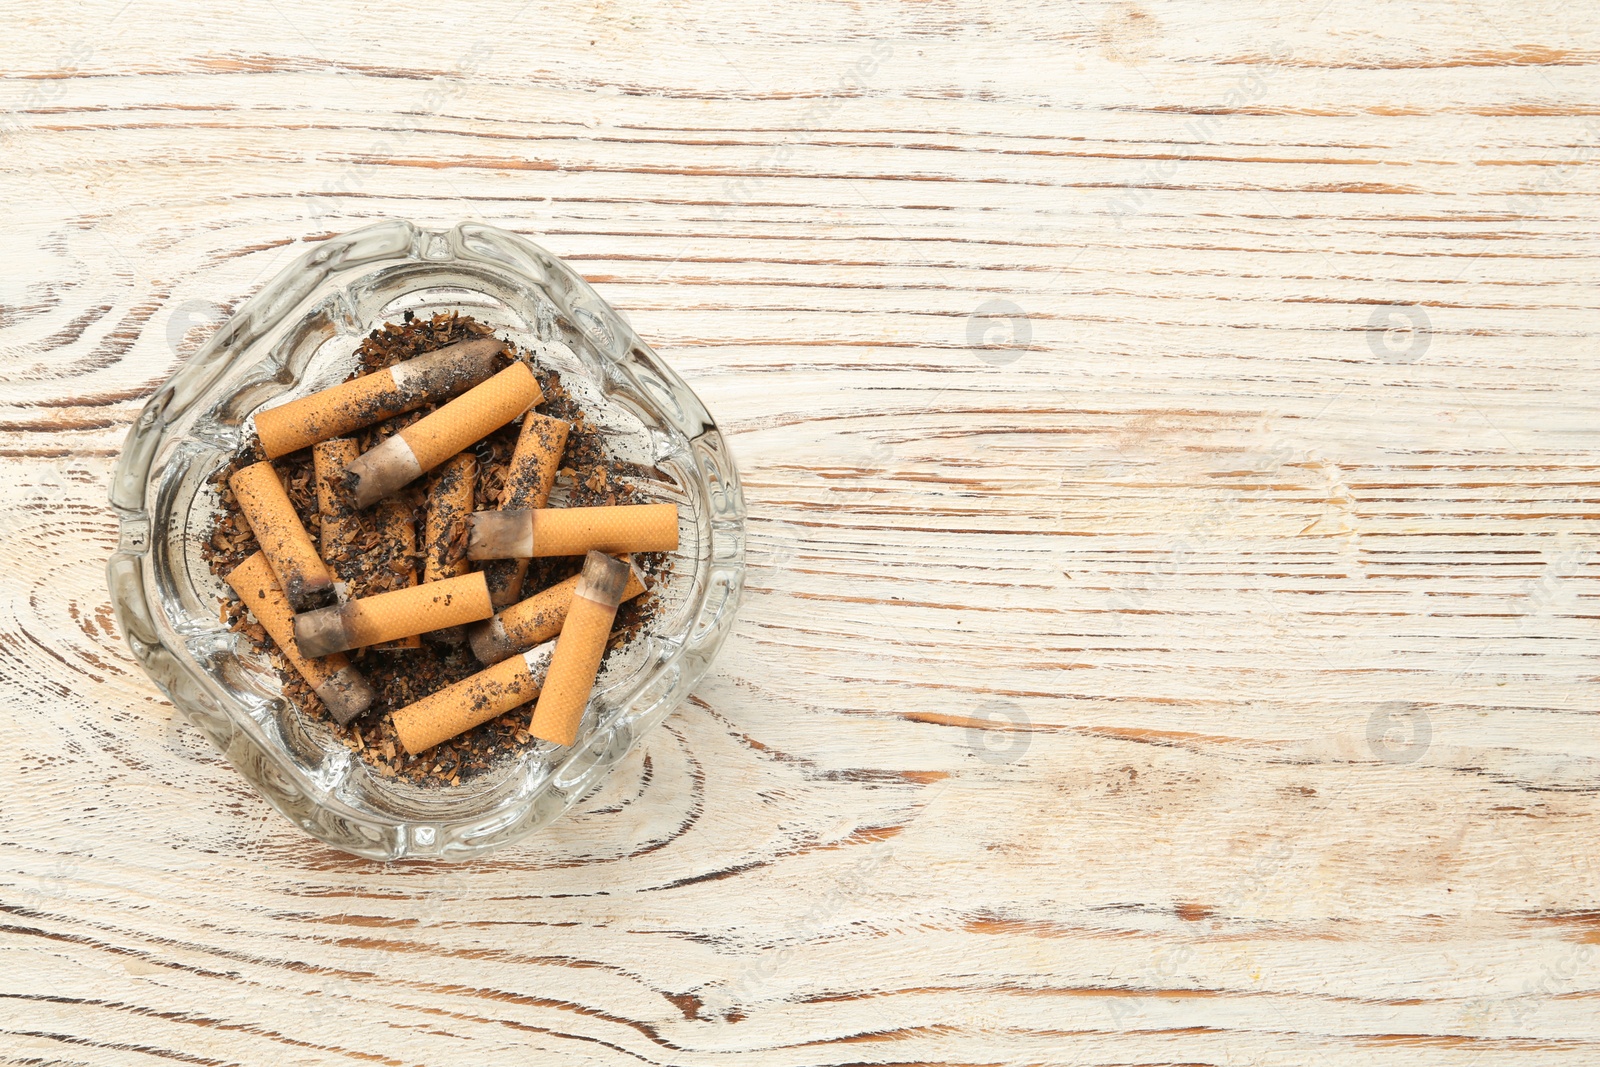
<point x="1169" y="433"/>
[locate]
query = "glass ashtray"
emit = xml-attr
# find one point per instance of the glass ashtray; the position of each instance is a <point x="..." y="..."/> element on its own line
<point x="299" y="334"/>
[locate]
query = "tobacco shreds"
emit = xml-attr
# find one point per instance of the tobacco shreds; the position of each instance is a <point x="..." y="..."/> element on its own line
<point x="402" y="676"/>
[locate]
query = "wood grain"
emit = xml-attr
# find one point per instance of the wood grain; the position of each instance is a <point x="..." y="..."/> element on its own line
<point x="1169" y="436"/>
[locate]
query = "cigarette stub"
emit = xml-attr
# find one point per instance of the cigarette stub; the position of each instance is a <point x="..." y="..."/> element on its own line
<point x="450" y="497"/>
<point x="397" y="542"/>
<point x="529" y="478"/>
<point x="442" y="433"/>
<point x="579" y="649"/>
<point x="536" y="619"/>
<point x="573" y="531"/>
<point x="301" y="574"/>
<point x="341" y="526"/>
<point x="340" y="687"/>
<point x="344" y="544"/>
<point x="451" y="493"/>
<point x="471" y="701"/>
<point x="377" y="396"/>
<point x="387" y="616"/>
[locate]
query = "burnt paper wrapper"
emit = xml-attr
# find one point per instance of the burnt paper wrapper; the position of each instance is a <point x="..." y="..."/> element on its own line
<point x="340" y="686"/>
<point x="322" y="632"/>
<point x="501" y="535"/>
<point x="301" y="574"/>
<point x="345" y="694"/>
<point x="536" y="619"/>
<point x="381" y="470"/>
<point x="348" y="406"/>
<point x="444" y="432"/>
<point x="603" y="579"/>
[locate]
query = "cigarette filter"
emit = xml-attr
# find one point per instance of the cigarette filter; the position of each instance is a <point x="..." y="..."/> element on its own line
<point x="442" y="433"/>
<point x="301" y="574"/>
<point x="458" y="708"/>
<point x="402" y="613"/>
<point x="535" y="619"/>
<point x="395" y="519"/>
<point x="579" y="649"/>
<point x="573" y="531"/>
<point x="377" y="396"/>
<point x="340" y="687"/>
<point x="529" y="478"/>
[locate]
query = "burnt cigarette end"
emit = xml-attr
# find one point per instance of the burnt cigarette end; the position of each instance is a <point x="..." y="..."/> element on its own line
<point x="451" y="369"/>
<point x="531" y="474"/>
<point x="489" y="642"/>
<point x="538" y="660"/>
<point x="309" y="594"/>
<point x="381" y="470"/>
<point x="540" y="617"/>
<point x="344" y="692"/>
<point x="472" y="416"/>
<point x="603" y="579"/>
<point x="301" y="574"/>
<point x="404" y="612"/>
<point x="505" y="578"/>
<point x="377" y="396"/>
<point x="322" y="633"/>
<point x="500" y="535"/>
<point x="346" y="695"/>
<point x="638" y="581"/>
<point x="395" y="519"/>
